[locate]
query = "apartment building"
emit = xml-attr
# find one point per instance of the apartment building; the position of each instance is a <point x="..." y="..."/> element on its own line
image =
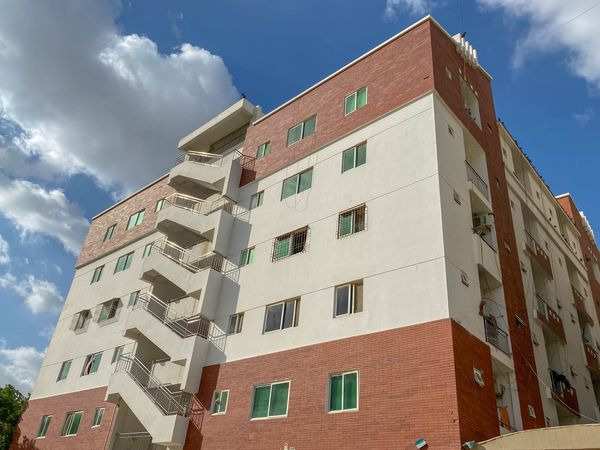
<point x="363" y="267"/>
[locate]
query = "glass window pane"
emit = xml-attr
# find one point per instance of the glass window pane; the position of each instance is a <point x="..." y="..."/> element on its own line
<point x="309" y="126"/>
<point x="361" y="97"/>
<point x="350" y="390"/>
<point x="75" y="423"/>
<point x="335" y="393"/>
<point x="273" y="317"/>
<point x="350" y="103"/>
<point x="358" y="297"/>
<point x="359" y="219"/>
<point x="279" y="397"/>
<point x="223" y="402"/>
<point x="348" y="159"/>
<point x="294" y="134"/>
<point x="140" y="217"/>
<point x="216" y="400"/>
<point x="342" y="300"/>
<point x="288" y="314"/>
<point x="298" y="242"/>
<point x="260" y="404"/>
<point x="256" y="200"/>
<point x="305" y="180"/>
<point x="250" y="255"/>
<point x="290" y="187"/>
<point x="345" y="225"/>
<point x="95" y="362"/>
<point x="361" y="154"/>
<point x="282" y="248"/>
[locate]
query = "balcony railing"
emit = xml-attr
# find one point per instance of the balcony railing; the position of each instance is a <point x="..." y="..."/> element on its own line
<point x="579" y="301"/>
<point x="185" y="258"/>
<point x="195" y="325"/>
<point x="198" y="206"/>
<point x="548" y="316"/>
<point x="495" y="335"/>
<point x="207" y="159"/>
<point x="538" y="252"/>
<point x="477" y="180"/>
<point x="563" y="392"/>
<point x="168" y="401"/>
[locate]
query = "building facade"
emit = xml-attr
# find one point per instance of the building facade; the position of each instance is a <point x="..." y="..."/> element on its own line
<point x="363" y="267"/>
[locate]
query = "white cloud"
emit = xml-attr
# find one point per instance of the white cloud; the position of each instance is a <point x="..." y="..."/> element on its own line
<point x="91" y="100"/>
<point x="583" y="118"/>
<point x="413" y="7"/>
<point x="4" y="256"/>
<point x="19" y="366"/>
<point x="39" y="295"/>
<point x="34" y="209"/>
<point x="570" y="26"/>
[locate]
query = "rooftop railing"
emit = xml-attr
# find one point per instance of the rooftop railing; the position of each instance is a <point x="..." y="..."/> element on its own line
<point x="477" y="180"/>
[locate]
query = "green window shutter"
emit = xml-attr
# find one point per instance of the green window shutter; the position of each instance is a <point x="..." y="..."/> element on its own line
<point x="361" y="154"/>
<point x="361" y="97"/>
<point x="279" y="398"/>
<point x="290" y="187"/>
<point x="350" y="104"/>
<point x="348" y="159"/>
<point x="335" y="393"/>
<point x="282" y="248"/>
<point x="73" y="426"/>
<point x="350" y="390"/>
<point x="294" y="134"/>
<point x="345" y="224"/>
<point x="305" y="181"/>
<point x="309" y="126"/>
<point x="260" y="404"/>
<point x="223" y="401"/>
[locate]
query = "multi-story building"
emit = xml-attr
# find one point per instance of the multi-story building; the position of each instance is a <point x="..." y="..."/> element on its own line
<point x="363" y="267"/>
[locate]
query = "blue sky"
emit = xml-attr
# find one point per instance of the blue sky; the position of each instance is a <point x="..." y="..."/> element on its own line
<point x="95" y="96"/>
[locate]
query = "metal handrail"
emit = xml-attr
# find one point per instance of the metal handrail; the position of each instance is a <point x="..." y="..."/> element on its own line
<point x="169" y="402"/>
<point x="207" y="159"/>
<point x="477" y="180"/>
<point x="496" y="335"/>
<point x="183" y="256"/>
<point x="197" y="205"/>
<point x="195" y="325"/>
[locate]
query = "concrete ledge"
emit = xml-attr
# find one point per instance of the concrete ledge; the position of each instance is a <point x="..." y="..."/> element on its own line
<point x="571" y="437"/>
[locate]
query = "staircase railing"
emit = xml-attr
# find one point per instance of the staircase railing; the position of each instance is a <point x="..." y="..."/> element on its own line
<point x="195" y="325"/>
<point x="197" y="205"/>
<point x="185" y="258"/>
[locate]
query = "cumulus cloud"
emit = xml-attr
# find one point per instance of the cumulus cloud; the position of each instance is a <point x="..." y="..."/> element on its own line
<point x="4" y="256"/>
<point x="558" y="25"/>
<point x="413" y="7"/>
<point x="34" y="209"/>
<point x="19" y="366"/>
<point x="39" y="295"/>
<point x="88" y="99"/>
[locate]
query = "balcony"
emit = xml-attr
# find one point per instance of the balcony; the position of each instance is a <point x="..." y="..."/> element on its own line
<point x="564" y="394"/>
<point x="579" y="303"/>
<point x="548" y="317"/>
<point x="592" y="358"/>
<point x="495" y="335"/>
<point x="486" y="257"/>
<point x="477" y="182"/>
<point x="538" y="254"/>
<point x="189" y="217"/>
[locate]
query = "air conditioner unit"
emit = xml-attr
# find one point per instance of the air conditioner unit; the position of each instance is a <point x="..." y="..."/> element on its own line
<point x="482" y="223"/>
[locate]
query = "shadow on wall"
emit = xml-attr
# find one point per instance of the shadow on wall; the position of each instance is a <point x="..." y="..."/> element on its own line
<point x="21" y="442"/>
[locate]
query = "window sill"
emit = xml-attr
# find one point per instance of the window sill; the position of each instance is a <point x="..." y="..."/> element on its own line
<point x="346" y="236"/>
<point x="69" y="435"/>
<point x="253" y="419"/>
<point x="218" y="413"/>
<point x="96" y="426"/>
<point x="40" y="437"/>
<point x="342" y="411"/>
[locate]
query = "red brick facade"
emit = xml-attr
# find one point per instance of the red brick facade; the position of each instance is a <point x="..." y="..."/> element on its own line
<point x="58" y="406"/>
<point x="94" y="247"/>
<point x="414" y="382"/>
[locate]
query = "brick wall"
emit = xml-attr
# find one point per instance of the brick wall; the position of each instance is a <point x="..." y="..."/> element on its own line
<point x="58" y="406"/>
<point x="399" y="72"/>
<point x="94" y="247"/>
<point x="412" y="384"/>
<point x="446" y="55"/>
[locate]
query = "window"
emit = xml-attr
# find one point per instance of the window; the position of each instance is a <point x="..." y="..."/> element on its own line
<point x="71" y="425"/>
<point x="97" y="274"/>
<point x="270" y="400"/>
<point x="356" y="100"/>
<point x="302" y="130"/>
<point x="64" y="370"/>
<point x="108" y="310"/>
<point x="290" y="244"/>
<point x="147" y="250"/>
<point x="117" y="354"/>
<point x="282" y="315"/>
<point x="136" y="219"/>
<point x="159" y="205"/>
<point x="354" y="157"/>
<point x="44" y="424"/>
<point x="98" y="414"/>
<point x="124" y="262"/>
<point x="256" y="200"/>
<point x="343" y="391"/>
<point x="348" y="299"/>
<point x="296" y="183"/>
<point x="263" y="150"/>
<point x="471" y="102"/>
<point x="83" y="318"/>
<point x="109" y="232"/>
<point x="235" y="323"/>
<point x="133" y="298"/>
<point x="91" y="364"/>
<point x="219" y="403"/>
<point x="352" y="221"/>
<point x="247" y="256"/>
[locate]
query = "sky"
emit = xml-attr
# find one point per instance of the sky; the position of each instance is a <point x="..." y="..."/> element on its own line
<point x="95" y="94"/>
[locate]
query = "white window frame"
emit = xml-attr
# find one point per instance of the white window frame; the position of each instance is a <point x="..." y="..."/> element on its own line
<point x="261" y="150"/>
<point x="260" y="198"/>
<point x="302" y="126"/>
<point x="99" y="270"/>
<point x="160" y="204"/>
<point x="69" y="417"/>
<point x="355" y="94"/>
<point x="214" y="399"/>
<point x="351" y="301"/>
<point x="342" y="374"/>
<point x="109" y="233"/>
<point x="98" y="412"/>
<point x="268" y="416"/>
<point x="141" y="213"/>
<point x="44" y="426"/>
<point x="237" y="326"/>
<point x="294" y="316"/>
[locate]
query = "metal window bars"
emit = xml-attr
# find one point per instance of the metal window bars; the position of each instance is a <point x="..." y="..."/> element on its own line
<point x="477" y="180"/>
<point x="290" y="244"/>
<point x="185" y="258"/>
<point x="197" y="205"/>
